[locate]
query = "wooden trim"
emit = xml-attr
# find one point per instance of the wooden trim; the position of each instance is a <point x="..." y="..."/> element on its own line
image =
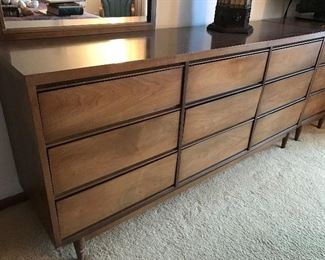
<point x="112" y="127"/>
<point x="308" y="95"/>
<point x="222" y="95"/>
<point x="281" y="47"/>
<point x="77" y="30"/>
<point x="104" y="78"/>
<point x="287" y="76"/>
<point x="226" y="57"/>
<point x="260" y="100"/>
<point x="113" y="175"/>
<point x="181" y="122"/>
<point x="13" y="200"/>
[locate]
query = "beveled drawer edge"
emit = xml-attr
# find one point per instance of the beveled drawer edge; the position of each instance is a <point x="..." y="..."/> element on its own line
<point x="113" y="127"/>
<point x="297" y="44"/>
<point x="317" y="92"/>
<point x="278" y="109"/>
<point x="114" y="175"/>
<point x="104" y="78"/>
<point x="292" y="103"/>
<point x="274" y="136"/>
<point x="227" y="57"/>
<point x="228" y="129"/>
<point x="290" y="75"/>
<point x="312" y="118"/>
<point x="222" y="95"/>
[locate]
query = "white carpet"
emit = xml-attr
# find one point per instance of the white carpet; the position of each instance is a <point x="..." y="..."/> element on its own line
<point x="269" y="206"/>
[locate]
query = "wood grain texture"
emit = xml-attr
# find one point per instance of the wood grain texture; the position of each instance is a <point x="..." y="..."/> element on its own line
<point x="76" y="110"/>
<point x="215" y="116"/>
<point x="216" y="149"/>
<point x="292" y="59"/>
<point x="86" y="160"/>
<point x="111" y="197"/>
<point x="277" y="122"/>
<point x="214" y="78"/>
<point x="285" y="91"/>
<point x="315" y="105"/>
<point x="319" y="82"/>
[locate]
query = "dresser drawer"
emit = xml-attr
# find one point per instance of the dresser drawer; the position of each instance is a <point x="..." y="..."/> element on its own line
<point x="212" y="117"/>
<point x="292" y="59"/>
<point x="285" y="91"/>
<point x="214" y="78"/>
<point x="315" y="105"/>
<point x="95" y="204"/>
<point x="216" y="149"/>
<point x="275" y="123"/>
<point x="83" y="161"/>
<point x="80" y="109"/>
<point x="319" y="82"/>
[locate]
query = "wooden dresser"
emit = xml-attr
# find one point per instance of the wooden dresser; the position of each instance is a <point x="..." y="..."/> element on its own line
<point x="104" y="127"/>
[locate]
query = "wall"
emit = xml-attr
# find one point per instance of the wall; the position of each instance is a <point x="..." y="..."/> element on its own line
<point x="9" y="185"/>
<point x="170" y="13"/>
<point x="178" y="13"/>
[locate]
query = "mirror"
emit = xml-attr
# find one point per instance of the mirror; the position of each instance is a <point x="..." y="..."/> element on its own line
<point x="58" y="15"/>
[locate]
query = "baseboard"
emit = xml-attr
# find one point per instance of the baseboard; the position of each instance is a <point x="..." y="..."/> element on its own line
<point x="13" y="200"/>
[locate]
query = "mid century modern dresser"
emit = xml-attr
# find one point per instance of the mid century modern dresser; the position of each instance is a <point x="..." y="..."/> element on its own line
<point x="103" y="128"/>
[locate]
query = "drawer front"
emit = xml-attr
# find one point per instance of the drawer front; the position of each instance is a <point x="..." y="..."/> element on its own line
<point x="80" y="109"/>
<point x="319" y="82"/>
<point x="315" y="105"/>
<point x="216" y="149"/>
<point x="277" y="122"/>
<point x="292" y="59"/>
<point x="86" y="208"/>
<point x="285" y="91"/>
<point x="222" y="76"/>
<point x="207" y="119"/>
<point x="83" y="161"/>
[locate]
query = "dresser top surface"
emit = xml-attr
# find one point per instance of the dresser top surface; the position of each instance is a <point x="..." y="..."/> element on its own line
<point x="34" y="57"/>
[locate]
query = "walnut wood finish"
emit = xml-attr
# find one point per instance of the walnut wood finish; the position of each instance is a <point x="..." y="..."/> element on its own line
<point x="215" y="116"/>
<point x="80" y="248"/>
<point x="30" y="69"/>
<point x="216" y="149"/>
<point x="103" y="154"/>
<point x="277" y="122"/>
<point x="76" y="110"/>
<point x="284" y="91"/>
<point x="225" y="75"/>
<point x="319" y="82"/>
<point x="288" y="60"/>
<point x="315" y="105"/>
<point x="109" y="198"/>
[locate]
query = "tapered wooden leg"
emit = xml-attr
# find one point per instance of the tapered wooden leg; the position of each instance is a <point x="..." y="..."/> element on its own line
<point x="285" y="141"/>
<point x="321" y="122"/>
<point x="298" y="133"/>
<point x="79" y="246"/>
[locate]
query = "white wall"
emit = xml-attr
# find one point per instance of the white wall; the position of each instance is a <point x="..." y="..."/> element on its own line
<point x="178" y="13"/>
<point x="170" y="13"/>
<point x="9" y="185"/>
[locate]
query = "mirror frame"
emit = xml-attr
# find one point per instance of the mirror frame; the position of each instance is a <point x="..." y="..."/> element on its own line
<point x="78" y="30"/>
